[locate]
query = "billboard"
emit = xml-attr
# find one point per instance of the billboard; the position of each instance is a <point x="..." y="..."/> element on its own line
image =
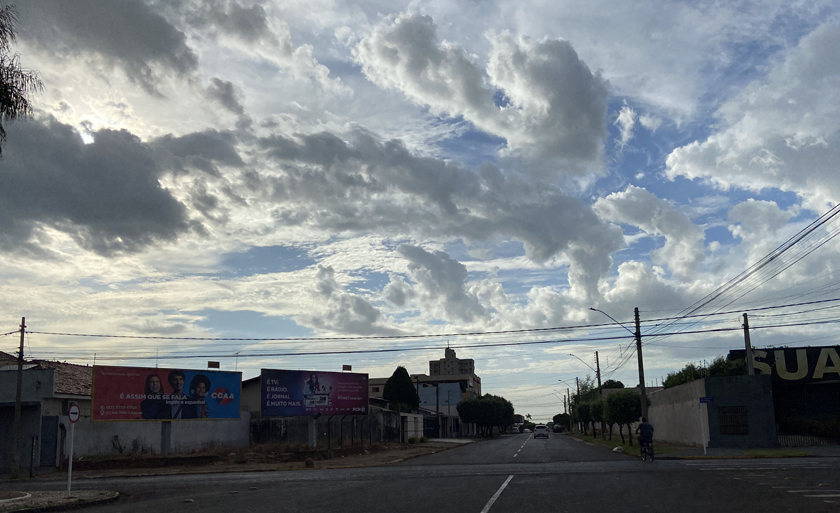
<point x="137" y="393"/>
<point x="287" y="393"/>
<point x="792" y="364"/>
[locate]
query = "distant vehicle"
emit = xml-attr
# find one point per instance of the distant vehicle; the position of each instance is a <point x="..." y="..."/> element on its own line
<point x="540" y="431"/>
<point x="514" y="429"/>
<point x="526" y="430"/>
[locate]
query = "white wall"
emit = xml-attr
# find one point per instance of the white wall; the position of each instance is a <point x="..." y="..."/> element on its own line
<point x="97" y="438"/>
<point x="676" y="414"/>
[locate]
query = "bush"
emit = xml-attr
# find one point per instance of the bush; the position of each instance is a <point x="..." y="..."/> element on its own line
<point x="309" y="463"/>
<point x="413" y="440"/>
<point x="424" y="439"/>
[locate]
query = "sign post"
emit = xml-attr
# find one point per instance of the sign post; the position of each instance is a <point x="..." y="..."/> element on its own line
<point x="73" y="413"/>
<point x="703" y="400"/>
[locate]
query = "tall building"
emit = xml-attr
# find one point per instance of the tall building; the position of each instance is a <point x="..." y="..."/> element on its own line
<point x="450" y="365"/>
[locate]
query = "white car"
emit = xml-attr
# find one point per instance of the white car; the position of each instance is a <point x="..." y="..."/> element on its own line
<point x="540" y="431"/>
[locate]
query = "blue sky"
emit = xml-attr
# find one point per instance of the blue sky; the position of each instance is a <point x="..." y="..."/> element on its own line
<point x="369" y="173"/>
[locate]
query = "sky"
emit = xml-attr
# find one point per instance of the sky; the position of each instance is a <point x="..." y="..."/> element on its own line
<point x="354" y="176"/>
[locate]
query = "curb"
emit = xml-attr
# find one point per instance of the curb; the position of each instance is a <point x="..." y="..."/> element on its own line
<point x="70" y="506"/>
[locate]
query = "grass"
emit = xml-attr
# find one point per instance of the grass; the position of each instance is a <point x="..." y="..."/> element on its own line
<point x="632" y="451"/>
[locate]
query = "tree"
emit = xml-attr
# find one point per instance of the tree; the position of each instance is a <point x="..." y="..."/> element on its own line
<point x="562" y="420"/>
<point x="400" y="391"/>
<point x="611" y="383"/>
<point x="584" y="415"/>
<point x="596" y="409"/>
<point x="487" y="412"/>
<point x="725" y="367"/>
<point x="623" y="408"/>
<point x="16" y="83"/>
<point x="719" y="367"/>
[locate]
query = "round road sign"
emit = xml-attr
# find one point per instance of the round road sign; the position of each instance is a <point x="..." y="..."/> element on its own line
<point x="74" y="412"/>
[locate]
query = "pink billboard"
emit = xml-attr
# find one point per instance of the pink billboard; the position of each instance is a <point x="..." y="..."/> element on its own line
<point x="136" y="393"/>
<point x="287" y="393"/>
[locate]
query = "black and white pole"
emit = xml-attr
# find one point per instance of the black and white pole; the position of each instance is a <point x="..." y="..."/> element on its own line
<point x="73" y="413"/>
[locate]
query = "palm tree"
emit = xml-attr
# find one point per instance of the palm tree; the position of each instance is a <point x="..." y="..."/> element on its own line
<point x="16" y="83"/>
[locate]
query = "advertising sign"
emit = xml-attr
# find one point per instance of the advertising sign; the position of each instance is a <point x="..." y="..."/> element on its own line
<point x="287" y="393"/>
<point x="136" y="393"/>
<point x="801" y="365"/>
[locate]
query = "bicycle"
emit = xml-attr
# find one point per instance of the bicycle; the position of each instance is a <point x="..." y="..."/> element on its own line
<point x="647" y="450"/>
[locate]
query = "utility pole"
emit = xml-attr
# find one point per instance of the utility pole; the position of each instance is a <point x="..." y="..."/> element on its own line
<point x="748" y="346"/>
<point x="598" y="372"/>
<point x="569" y="400"/>
<point x="16" y="435"/>
<point x="577" y="397"/>
<point x="643" y="394"/>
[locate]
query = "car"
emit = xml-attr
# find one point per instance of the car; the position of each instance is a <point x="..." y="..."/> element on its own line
<point x="540" y="431"/>
<point x="526" y="430"/>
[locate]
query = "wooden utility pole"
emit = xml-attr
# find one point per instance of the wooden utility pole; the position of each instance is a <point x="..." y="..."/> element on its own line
<point x="16" y="429"/>
<point x="748" y="346"/>
<point x="642" y="392"/>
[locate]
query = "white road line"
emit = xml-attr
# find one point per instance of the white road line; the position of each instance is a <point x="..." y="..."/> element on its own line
<point x="831" y="495"/>
<point x="496" y="495"/>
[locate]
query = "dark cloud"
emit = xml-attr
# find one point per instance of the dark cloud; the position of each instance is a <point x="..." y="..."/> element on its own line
<point x="198" y="150"/>
<point x="106" y="194"/>
<point x="226" y="94"/>
<point x="126" y="34"/>
<point x="365" y="184"/>
<point x="248" y="24"/>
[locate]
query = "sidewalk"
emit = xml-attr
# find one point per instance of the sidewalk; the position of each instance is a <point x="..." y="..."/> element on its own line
<point x="20" y="502"/>
<point x="823" y="451"/>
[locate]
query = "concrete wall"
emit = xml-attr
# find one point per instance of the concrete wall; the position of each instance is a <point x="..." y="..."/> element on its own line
<point x="756" y="395"/>
<point x="36" y="384"/>
<point x="97" y="438"/>
<point x="676" y="414"/>
<point x="412" y="426"/>
<point x="30" y="425"/>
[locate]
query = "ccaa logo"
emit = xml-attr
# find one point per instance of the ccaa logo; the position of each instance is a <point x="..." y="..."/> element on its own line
<point x="222" y="395"/>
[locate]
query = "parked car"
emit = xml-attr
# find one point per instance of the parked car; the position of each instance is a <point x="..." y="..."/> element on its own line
<point x="540" y="431"/>
<point x="514" y="430"/>
<point x="526" y="430"/>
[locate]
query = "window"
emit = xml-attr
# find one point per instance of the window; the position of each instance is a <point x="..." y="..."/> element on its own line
<point x="733" y="420"/>
<point x="375" y="389"/>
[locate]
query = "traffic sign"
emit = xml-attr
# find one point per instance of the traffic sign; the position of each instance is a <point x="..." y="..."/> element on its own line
<point x="707" y="400"/>
<point x="74" y="412"/>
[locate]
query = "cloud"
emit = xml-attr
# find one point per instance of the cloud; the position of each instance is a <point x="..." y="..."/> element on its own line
<point x="126" y="35"/>
<point x="198" y="150"/>
<point x="625" y="121"/>
<point x="250" y="31"/>
<point x="781" y="132"/>
<point x="540" y="97"/>
<point x="651" y="122"/>
<point x="440" y="285"/>
<point x="343" y="312"/>
<point x="364" y="184"/>
<point x="106" y="194"/>
<point x="683" y="249"/>
<point x="227" y="94"/>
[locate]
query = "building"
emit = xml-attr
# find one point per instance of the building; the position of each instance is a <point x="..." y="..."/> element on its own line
<point x="450" y="365"/>
<point x="450" y="381"/>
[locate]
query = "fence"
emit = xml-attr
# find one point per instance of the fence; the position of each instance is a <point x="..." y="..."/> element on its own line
<point x="331" y="431"/>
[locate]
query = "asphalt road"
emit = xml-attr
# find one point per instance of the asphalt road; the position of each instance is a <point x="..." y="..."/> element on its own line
<point x="510" y="473"/>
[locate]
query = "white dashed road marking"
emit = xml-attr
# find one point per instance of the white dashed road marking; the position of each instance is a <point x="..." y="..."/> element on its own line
<point x="496" y="495"/>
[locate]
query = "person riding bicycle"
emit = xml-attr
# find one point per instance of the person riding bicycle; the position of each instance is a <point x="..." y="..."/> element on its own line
<point x="645" y="432"/>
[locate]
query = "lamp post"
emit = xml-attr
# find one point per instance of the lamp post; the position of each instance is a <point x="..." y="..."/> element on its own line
<point x="597" y="370"/>
<point x="638" y="336"/>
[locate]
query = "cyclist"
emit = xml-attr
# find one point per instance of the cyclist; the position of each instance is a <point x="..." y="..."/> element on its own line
<point x="645" y="432"/>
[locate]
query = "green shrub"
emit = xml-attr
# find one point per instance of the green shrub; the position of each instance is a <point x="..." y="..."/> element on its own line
<point x="424" y="439"/>
<point x="413" y="440"/>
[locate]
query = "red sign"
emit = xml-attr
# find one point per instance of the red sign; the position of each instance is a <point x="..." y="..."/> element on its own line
<point x="135" y="393"/>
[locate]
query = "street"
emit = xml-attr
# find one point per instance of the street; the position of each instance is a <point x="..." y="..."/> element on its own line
<point x="509" y="473"/>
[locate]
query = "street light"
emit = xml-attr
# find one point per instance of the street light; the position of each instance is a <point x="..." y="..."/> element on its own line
<point x="593" y="370"/>
<point x="615" y="321"/>
<point x="638" y="336"/>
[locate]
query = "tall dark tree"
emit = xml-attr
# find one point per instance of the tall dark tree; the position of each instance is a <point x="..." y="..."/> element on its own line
<point x="487" y="412"/>
<point x="16" y="83"/>
<point x="611" y="383"/>
<point x="623" y="409"/>
<point x="400" y="391"/>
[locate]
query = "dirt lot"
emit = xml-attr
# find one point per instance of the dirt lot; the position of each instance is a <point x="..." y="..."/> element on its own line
<point x="260" y="458"/>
